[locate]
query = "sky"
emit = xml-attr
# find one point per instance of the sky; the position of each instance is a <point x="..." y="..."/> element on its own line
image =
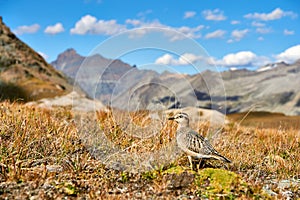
<point x="184" y="36"/>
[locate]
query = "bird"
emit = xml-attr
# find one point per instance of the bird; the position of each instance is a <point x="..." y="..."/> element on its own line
<point x="192" y="143"/>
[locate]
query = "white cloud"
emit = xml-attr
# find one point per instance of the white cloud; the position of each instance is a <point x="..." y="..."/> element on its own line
<point x="215" y="15"/>
<point x="230" y="41"/>
<point x="258" y="24"/>
<point x="261" y="61"/>
<point x="133" y="22"/>
<point x="288" y="32"/>
<point x="260" y="38"/>
<point x="234" y="22"/>
<point x="184" y="59"/>
<point x="89" y="24"/>
<point x="27" y="29"/>
<point x="290" y="55"/>
<point x="191" y="32"/>
<point x="189" y="14"/>
<point x="145" y="27"/>
<point x="143" y="14"/>
<point x="57" y="28"/>
<point x="263" y="30"/>
<point x="141" y="23"/>
<point x="216" y="34"/>
<point x="166" y="59"/>
<point x="274" y="15"/>
<point x="239" y="59"/>
<point x="237" y="35"/>
<point x="84" y="25"/>
<point x="45" y="56"/>
<point x="188" y="58"/>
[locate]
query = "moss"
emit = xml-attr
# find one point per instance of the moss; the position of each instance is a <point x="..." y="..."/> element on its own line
<point x="220" y="182"/>
<point x="219" y="179"/>
<point x="150" y="175"/>
<point x="124" y="177"/>
<point x="68" y="189"/>
<point x="175" y="170"/>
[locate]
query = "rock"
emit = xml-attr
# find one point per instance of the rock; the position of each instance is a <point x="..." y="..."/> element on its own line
<point x="180" y="180"/>
<point x="267" y="190"/>
<point x="54" y="168"/>
<point x="76" y="101"/>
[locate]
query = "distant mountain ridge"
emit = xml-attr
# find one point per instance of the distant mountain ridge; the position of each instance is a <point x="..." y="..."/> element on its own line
<point x="273" y="88"/>
<point x="68" y="62"/>
<point x="97" y="75"/>
<point x="24" y="74"/>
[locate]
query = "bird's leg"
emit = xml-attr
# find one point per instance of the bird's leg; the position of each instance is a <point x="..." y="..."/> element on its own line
<point x="191" y="162"/>
<point x="200" y="164"/>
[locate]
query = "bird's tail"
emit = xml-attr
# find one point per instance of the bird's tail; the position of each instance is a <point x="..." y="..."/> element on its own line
<point x="223" y="158"/>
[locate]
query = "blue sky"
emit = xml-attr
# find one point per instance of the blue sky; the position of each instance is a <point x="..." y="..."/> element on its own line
<point x="229" y="34"/>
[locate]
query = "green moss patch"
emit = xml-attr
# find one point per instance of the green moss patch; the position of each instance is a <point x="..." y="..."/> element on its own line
<point x="175" y="170"/>
<point x="221" y="183"/>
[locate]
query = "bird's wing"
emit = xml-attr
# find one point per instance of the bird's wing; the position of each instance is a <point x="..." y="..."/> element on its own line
<point x="198" y="144"/>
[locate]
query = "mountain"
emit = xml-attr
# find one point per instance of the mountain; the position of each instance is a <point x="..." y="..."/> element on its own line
<point x="68" y="62"/>
<point x="71" y="63"/>
<point x="24" y="74"/>
<point x="100" y="77"/>
<point x="273" y="88"/>
<point x="271" y="66"/>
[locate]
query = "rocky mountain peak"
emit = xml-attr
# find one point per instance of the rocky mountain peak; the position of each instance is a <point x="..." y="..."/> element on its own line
<point x="4" y="29"/>
<point x="69" y="54"/>
<point x="24" y="74"/>
<point x="71" y="51"/>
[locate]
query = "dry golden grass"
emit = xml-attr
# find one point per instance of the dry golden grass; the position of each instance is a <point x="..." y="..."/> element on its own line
<point x="127" y="129"/>
<point x="266" y="120"/>
<point x="41" y="155"/>
<point x="269" y="151"/>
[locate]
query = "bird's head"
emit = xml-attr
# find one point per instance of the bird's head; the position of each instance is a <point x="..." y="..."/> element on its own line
<point x="181" y="118"/>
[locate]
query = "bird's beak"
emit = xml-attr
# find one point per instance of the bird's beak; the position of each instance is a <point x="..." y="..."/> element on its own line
<point x="171" y="118"/>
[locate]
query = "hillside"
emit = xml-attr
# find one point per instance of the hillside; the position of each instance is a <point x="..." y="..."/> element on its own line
<point x="100" y="77"/>
<point x="273" y="89"/>
<point x="270" y="88"/>
<point x="24" y="74"/>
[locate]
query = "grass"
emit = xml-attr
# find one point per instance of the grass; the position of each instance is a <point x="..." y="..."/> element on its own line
<point x="42" y="156"/>
<point x="266" y="120"/>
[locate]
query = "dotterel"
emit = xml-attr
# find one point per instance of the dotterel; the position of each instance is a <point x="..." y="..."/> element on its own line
<point x="192" y="143"/>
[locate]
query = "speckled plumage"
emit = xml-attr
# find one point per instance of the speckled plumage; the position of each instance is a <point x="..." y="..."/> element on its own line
<point x="192" y="143"/>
